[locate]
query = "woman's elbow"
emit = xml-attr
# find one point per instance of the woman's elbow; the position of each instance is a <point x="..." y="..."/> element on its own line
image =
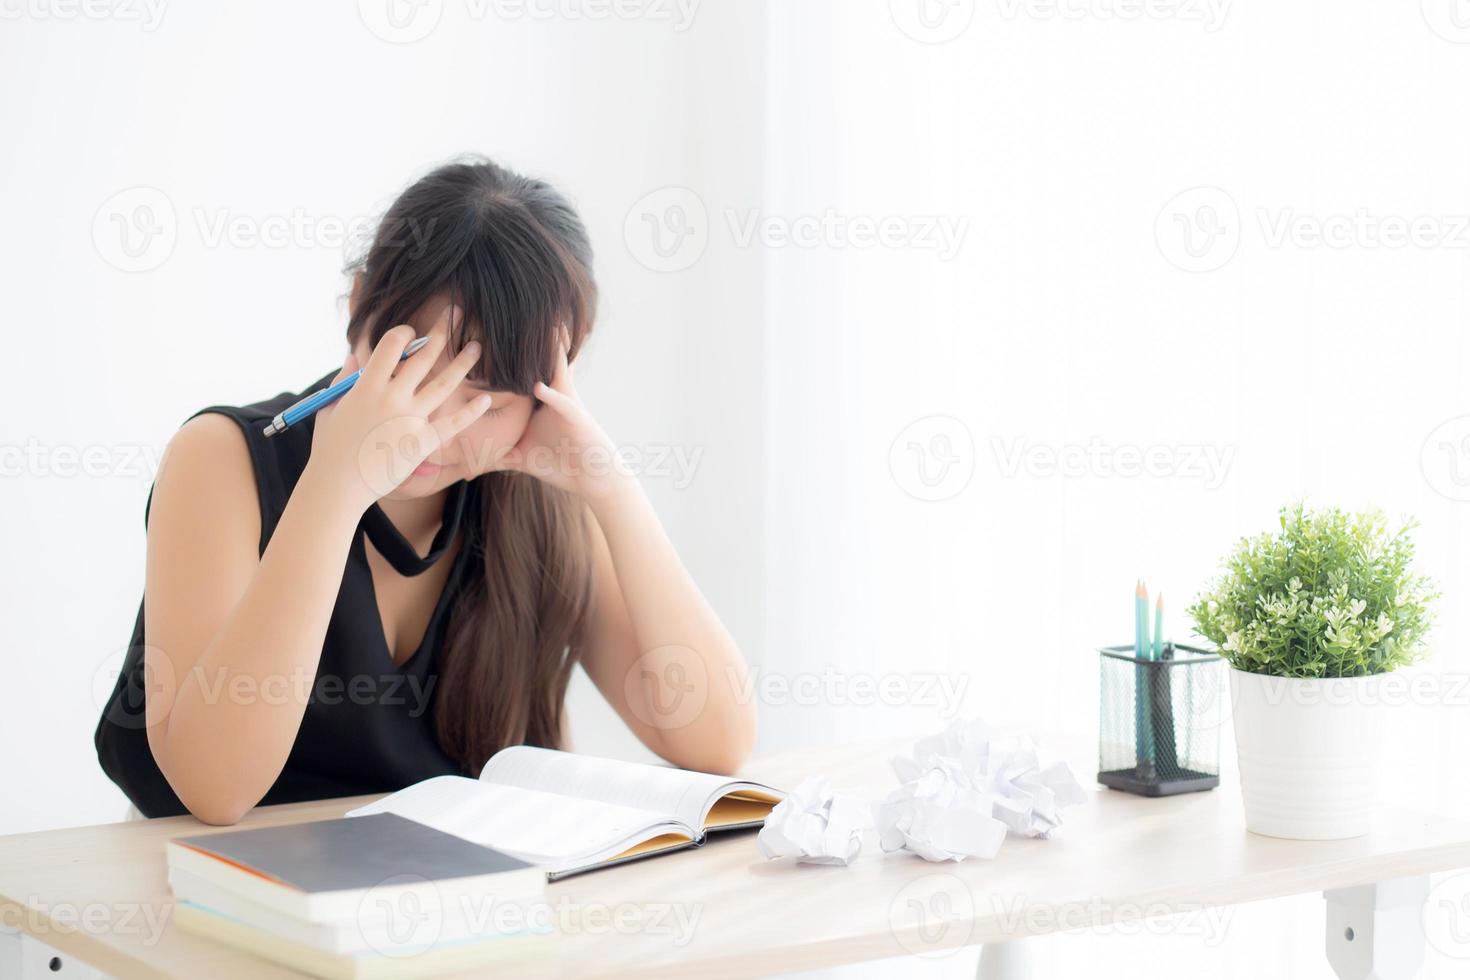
<point x="216" y="815"/>
<point x="726" y="753"/>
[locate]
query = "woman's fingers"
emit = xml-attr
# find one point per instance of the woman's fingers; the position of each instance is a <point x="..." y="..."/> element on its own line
<point x="561" y="402"/>
<point x="561" y="374"/>
<point x="433" y="394"/>
<point x="386" y="355"/>
<point x="348" y="366"/>
<point x="412" y="372"/>
<point x="451" y="425"/>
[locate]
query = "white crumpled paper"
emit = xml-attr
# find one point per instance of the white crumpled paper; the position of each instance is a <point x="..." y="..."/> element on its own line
<point x="815" y="826"/>
<point x="964" y="788"/>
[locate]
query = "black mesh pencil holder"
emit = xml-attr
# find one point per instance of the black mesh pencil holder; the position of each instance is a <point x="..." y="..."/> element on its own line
<point x="1159" y="723"/>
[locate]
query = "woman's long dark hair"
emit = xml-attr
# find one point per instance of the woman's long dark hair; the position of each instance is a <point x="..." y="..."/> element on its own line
<point x="514" y="256"/>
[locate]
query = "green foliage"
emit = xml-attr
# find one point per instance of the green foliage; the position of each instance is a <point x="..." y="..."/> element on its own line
<point x="1331" y="595"/>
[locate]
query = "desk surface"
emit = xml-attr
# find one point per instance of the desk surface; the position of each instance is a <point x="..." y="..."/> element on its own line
<point x="723" y="911"/>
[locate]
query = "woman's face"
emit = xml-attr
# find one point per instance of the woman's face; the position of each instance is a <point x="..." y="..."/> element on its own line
<point x="479" y="448"/>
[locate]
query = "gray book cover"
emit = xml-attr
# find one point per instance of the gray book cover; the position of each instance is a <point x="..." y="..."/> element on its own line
<point x="355" y="853"/>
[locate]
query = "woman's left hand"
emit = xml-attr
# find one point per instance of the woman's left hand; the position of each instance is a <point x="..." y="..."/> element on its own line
<point x="563" y="445"/>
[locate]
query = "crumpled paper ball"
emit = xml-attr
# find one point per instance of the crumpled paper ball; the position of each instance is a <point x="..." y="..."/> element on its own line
<point x="815" y="826"/>
<point x="964" y="788"/>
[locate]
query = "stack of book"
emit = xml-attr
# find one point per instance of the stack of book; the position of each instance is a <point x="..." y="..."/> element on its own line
<point x="372" y="896"/>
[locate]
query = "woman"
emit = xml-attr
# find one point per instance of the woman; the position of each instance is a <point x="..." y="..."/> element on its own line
<point x="402" y="584"/>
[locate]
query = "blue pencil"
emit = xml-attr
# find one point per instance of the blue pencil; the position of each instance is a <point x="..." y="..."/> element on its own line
<point x="1143" y="651"/>
<point x="312" y="404"/>
<point x="1138" y="693"/>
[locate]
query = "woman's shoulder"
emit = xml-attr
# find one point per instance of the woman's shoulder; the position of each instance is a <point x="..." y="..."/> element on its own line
<point x="220" y="457"/>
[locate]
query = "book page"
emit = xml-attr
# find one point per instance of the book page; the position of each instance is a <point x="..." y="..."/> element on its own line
<point x="546" y="829"/>
<point x="676" y="794"/>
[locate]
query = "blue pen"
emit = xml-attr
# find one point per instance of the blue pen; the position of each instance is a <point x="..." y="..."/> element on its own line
<point x="312" y="404"/>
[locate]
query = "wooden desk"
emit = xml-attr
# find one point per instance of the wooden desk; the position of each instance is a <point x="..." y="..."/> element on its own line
<point x="723" y="911"/>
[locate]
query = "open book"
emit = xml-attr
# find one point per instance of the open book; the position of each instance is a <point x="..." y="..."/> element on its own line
<point x="572" y="813"/>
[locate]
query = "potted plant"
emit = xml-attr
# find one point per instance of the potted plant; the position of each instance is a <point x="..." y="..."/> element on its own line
<point x="1312" y="619"/>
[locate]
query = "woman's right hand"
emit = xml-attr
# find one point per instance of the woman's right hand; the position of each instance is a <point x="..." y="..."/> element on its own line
<point x="369" y="441"/>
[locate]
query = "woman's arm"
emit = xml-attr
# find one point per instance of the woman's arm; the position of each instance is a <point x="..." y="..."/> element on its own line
<point x="655" y="649"/>
<point x="233" y="642"/>
<point x="231" y="632"/>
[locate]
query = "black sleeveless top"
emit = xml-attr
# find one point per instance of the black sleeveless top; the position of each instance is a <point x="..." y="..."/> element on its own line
<point x="369" y="723"/>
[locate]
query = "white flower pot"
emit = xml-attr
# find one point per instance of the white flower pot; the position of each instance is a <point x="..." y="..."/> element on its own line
<point x="1309" y="753"/>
